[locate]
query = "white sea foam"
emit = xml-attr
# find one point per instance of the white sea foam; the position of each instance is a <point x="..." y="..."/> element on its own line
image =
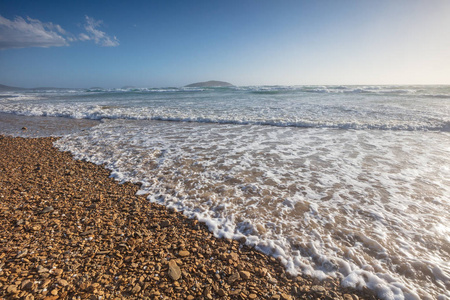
<point x="382" y="109"/>
<point x="367" y="206"/>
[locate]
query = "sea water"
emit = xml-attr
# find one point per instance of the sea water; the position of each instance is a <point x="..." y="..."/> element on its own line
<point x="344" y="181"/>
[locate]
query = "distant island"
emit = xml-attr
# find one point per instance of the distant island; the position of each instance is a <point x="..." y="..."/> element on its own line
<point x="9" y="88"/>
<point x="211" y="83"/>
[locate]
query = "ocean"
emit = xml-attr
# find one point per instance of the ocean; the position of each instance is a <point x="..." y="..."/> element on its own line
<point x="344" y="181"/>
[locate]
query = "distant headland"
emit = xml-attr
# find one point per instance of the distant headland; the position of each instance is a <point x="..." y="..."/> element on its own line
<point x="9" y="88"/>
<point x="211" y="83"/>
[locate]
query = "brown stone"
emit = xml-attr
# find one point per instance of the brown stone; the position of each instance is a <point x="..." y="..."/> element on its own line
<point x="45" y="283"/>
<point x="26" y="285"/>
<point x="136" y="289"/>
<point x="165" y="223"/>
<point x="22" y="253"/>
<point x="318" y="289"/>
<point x="262" y="272"/>
<point x="174" y="270"/>
<point x="12" y="289"/>
<point x="63" y="282"/>
<point x="235" y="276"/>
<point x="245" y="275"/>
<point x="47" y="210"/>
<point x="285" y="296"/>
<point x="58" y="272"/>
<point x="183" y="253"/>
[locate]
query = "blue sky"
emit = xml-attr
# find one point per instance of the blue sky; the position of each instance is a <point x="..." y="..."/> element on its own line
<point x="174" y="43"/>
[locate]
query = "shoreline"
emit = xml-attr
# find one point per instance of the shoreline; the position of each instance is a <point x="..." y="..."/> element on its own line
<point x="42" y="126"/>
<point x="70" y="230"/>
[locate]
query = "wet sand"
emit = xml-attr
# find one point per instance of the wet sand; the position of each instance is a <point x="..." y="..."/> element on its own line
<point x="36" y="126"/>
<point x="68" y="230"/>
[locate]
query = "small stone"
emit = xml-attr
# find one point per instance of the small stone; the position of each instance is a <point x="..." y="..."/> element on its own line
<point x="174" y="270"/>
<point x="136" y="289"/>
<point x="26" y="284"/>
<point x="46" y="283"/>
<point x="252" y="296"/>
<point x="47" y="210"/>
<point x="190" y="297"/>
<point x="272" y="280"/>
<point x="87" y="232"/>
<point x="24" y="128"/>
<point x="245" y="275"/>
<point x="234" y="256"/>
<point x="22" y="253"/>
<point x="165" y="224"/>
<point x="54" y="292"/>
<point x="285" y="296"/>
<point x="183" y="253"/>
<point x="347" y="297"/>
<point x="12" y="289"/>
<point x="58" y="272"/>
<point x="262" y="272"/>
<point x="41" y="269"/>
<point x="63" y="282"/>
<point x="318" y="289"/>
<point x="29" y="297"/>
<point x="221" y="292"/>
<point x="233" y="277"/>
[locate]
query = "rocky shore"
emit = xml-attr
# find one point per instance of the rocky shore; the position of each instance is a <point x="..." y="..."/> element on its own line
<point x="69" y="231"/>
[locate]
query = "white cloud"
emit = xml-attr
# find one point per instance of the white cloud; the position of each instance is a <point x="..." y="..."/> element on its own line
<point x="21" y="33"/>
<point x="100" y="37"/>
<point x="83" y="37"/>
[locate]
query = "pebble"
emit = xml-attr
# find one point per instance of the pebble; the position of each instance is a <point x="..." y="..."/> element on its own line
<point x="183" y="253"/>
<point x="174" y="270"/>
<point x="245" y="275"/>
<point x="22" y="253"/>
<point x="47" y="210"/>
<point x="11" y="289"/>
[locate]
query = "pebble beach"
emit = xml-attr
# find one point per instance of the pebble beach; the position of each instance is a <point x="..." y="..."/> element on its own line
<point x="70" y="231"/>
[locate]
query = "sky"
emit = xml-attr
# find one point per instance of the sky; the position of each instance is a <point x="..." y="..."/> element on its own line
<point x="114" y="43"/>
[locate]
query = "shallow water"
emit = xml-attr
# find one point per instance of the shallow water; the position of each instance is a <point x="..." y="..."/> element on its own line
<point x="351" y="182"/>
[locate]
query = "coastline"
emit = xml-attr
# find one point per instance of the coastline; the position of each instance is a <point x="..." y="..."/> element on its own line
<point x="69" y="230"/>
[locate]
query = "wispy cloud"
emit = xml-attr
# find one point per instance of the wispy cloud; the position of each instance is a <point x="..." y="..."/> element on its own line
<point x="98" y="36"/>
<point x="24" y="33"/>
<point x="21" y="33"/>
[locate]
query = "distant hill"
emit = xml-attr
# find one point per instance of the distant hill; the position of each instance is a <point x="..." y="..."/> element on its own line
<point x="211" y="83"/>
<point x="4" y="88"/>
